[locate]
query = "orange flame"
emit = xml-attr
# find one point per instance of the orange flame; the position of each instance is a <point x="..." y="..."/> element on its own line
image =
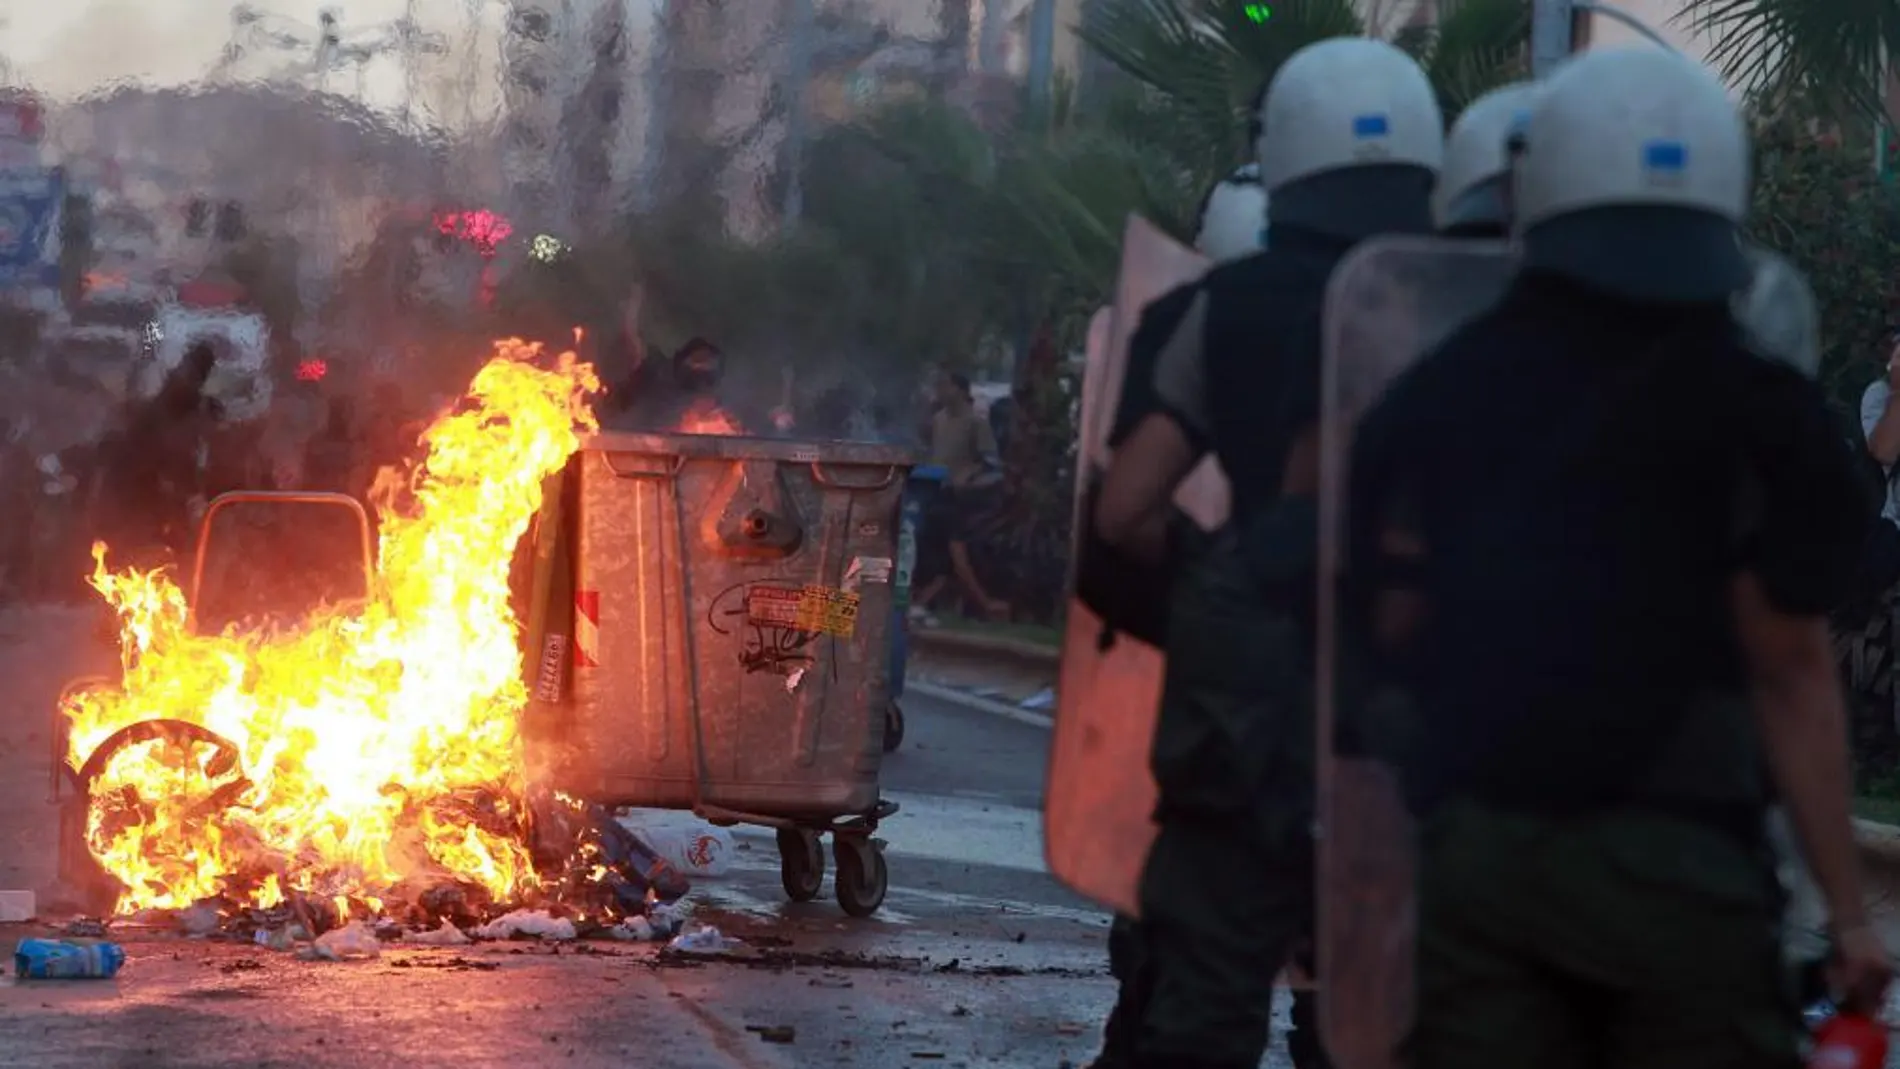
<point x="360" y="728"/>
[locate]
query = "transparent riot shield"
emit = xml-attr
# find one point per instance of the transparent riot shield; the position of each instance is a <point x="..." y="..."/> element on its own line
<point x="1388" y="302"/>
<point x="1778" y="313"/>
<point x="1100" y="794"/>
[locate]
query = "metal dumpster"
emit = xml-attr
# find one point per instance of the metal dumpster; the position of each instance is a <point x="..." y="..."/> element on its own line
<point x="731" y="599"/>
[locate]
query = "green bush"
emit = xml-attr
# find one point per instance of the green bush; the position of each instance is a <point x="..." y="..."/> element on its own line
<point x="1819" y="203"/>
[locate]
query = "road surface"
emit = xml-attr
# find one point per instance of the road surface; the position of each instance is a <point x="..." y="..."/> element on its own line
<point x="977" y="960"/>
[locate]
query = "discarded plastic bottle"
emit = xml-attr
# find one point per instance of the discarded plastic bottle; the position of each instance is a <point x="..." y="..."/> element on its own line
<point x="1849" y="1041"/>
<point x="53" y="959"/>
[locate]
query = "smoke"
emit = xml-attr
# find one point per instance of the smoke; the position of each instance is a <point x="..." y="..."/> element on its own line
<point x="75" y="50"/>
<point x="234" y="147"/>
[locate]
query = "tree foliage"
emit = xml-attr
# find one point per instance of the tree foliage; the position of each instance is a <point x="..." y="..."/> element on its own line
<point x="1818" y="202"/>
<point x="1829" y="54"/>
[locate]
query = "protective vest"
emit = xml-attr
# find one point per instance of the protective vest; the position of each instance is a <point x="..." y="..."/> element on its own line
<point x="1261" y="353"/>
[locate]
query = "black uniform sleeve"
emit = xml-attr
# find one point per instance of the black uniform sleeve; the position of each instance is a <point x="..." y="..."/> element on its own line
<point x="1812" y="521"/>
<point x="1157" y="325"/>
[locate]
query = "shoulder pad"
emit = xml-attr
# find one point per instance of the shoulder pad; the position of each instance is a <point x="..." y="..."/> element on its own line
<point x="1777" y="315"/>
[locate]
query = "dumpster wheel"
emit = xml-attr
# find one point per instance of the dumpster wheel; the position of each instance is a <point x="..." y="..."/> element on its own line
<point x="801" y="863"/>
<point x="863" y="878"/>
<point x="893" y="726"/>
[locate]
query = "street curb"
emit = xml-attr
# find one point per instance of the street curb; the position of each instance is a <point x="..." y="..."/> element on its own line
<point x="979" y="704"/>
<point x="964" y="644"/>
<point x="1878" y="844"/>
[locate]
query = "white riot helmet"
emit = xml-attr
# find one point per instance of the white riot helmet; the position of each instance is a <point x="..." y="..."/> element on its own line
<point x="1233" y="220"/>
<point x="1634" y="176"/>
<point x="1470" y="191"/>
<point x="1344" y="103"/>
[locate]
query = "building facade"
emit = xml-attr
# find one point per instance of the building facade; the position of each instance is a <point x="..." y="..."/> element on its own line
<point x="618" y="103"/>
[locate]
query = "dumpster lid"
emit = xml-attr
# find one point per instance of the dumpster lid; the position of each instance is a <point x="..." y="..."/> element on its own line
<point x="742" y="447"/>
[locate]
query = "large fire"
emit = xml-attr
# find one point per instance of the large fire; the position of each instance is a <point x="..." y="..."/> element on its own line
<point x="379" y="740"/>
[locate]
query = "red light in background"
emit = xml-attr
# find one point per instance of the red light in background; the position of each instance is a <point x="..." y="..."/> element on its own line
<point x="312" y="370"/>
<point x="483" y="229"/>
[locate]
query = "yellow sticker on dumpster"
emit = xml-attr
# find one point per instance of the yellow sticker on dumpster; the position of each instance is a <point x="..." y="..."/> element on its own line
<point x="812" y="609"/>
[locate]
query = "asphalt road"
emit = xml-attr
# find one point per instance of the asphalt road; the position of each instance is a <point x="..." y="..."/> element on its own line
<point x="978" y="958"/>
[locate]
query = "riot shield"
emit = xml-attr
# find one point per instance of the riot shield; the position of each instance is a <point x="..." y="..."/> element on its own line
<point x="1778" y="313"/>
<point x="1388" y="302"/>
<point x="1099" y="799"/>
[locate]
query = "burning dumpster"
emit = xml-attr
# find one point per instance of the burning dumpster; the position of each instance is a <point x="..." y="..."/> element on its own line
<point x="730" y="599"/>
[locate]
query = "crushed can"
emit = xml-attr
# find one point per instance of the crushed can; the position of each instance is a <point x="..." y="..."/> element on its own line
<point x="1849" y="1041"/>
<point x="56" y="959"/>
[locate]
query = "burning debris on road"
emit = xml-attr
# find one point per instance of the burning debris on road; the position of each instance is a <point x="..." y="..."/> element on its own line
<point x="363" y="765"/>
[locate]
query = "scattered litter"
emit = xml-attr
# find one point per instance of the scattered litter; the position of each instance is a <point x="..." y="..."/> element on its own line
<point x="17" y="907"/>
<point x="1041" y="701"/>
<point x="199" y="920"/>
<point x="793" y="678"/>
<point x="1069" y="1029"/>
<point x="85" y="928"/>
<point x="831" y="981"/>
<point x="668" y="918"/>
<point x="538" y="923"/>
<point x="682" y="840"/>
<point x="704" y="940"/>
<point x="635" y="873"/>
<point x="53" y="959"/>
<point x="241" y="965"/>
<point x="280" y="938"/>
<point x="456" y="964"/>
<point x="448" y="935"/>
<point x="633" y="930"/>
<point x="774" y="1033"/>
<point x="352" y="942"/>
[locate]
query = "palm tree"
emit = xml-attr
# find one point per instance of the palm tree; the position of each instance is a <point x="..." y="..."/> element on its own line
<point x="1199" y="63"/>
<point x="1827" y="56"/>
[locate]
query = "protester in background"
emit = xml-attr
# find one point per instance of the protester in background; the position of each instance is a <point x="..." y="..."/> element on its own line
<point x="154" y="486"/>
<point x="1880" y="422"/>
<point x="1002" y="420"/>
<point x="331" y="462"/>
<point x="698" y="368"/>
<point x="623" y="350"/>
<point x="960" y="442"/>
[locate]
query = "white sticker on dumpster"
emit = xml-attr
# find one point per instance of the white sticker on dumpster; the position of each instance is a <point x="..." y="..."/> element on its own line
<point x="864" y="570"/>
<point x="812" y="609"/>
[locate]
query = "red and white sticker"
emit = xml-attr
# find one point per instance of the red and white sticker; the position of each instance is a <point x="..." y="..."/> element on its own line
<point x="587" y="629"/>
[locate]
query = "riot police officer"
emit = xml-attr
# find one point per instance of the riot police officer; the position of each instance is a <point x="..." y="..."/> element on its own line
<point x="1351" y="141"/>
<point x="1597" y="533"/>
<point x="1130" y="597"/>
<point x="1473" y="196"/>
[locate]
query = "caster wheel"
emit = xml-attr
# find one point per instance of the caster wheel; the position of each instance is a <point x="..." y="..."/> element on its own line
<point x="893" y="727"/>
<point x="801" y="864"/>
<point x="862" y="878"/>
